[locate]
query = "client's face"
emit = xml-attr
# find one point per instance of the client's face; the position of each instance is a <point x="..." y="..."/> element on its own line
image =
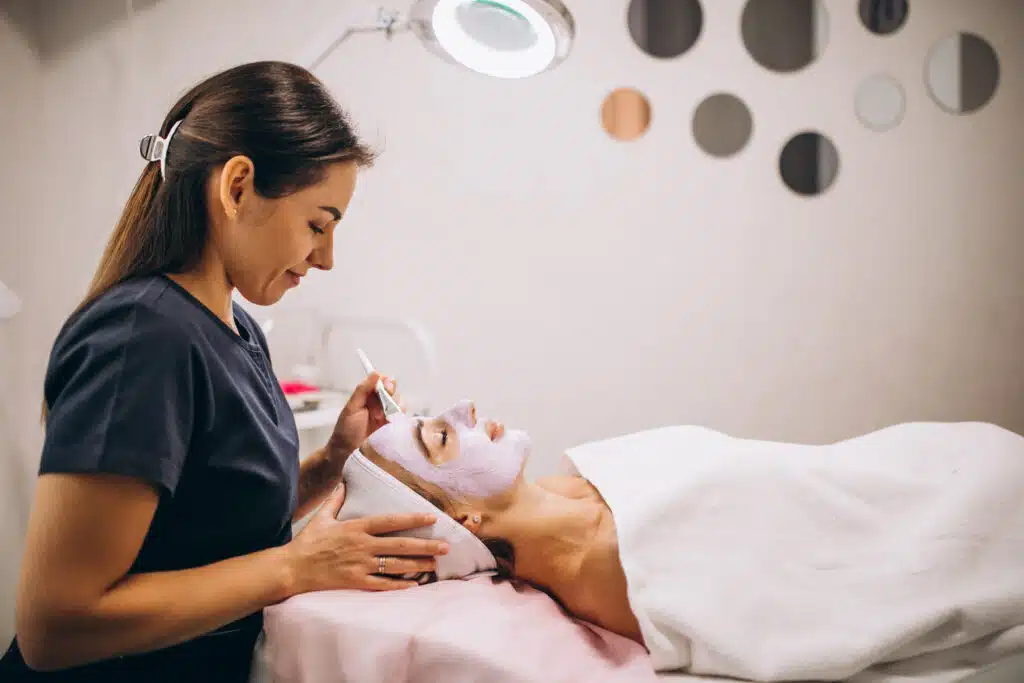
<point x="454" y="451"/>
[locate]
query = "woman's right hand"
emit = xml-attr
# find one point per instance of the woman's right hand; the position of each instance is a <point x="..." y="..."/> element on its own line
<point x="330" y="555"/>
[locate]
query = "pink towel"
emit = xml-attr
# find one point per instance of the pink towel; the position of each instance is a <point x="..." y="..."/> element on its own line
<point x="452" y="631"/>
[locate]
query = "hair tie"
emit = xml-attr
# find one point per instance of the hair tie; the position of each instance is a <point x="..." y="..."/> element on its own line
<point x="154" y="148"/>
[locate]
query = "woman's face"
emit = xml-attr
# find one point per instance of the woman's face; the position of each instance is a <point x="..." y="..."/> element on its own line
<point x="268" y="245"/>
<point x="464" y="457"/>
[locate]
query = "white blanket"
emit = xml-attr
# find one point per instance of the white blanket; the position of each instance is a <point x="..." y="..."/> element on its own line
<point x="898" y="555"/>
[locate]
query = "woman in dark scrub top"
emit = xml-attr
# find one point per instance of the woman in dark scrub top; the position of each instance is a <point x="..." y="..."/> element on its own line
<point x="170" y="475"/>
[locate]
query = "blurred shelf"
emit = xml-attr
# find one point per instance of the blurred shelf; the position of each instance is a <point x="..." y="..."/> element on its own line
<point x="320" y="409"/>
<point x="317" y="410"/>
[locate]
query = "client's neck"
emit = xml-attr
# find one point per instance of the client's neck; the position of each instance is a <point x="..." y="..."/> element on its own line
<point x="550" y="533"/>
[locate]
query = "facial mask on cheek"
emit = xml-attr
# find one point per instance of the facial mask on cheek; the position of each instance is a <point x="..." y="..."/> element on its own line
<point x="482" y="468"/>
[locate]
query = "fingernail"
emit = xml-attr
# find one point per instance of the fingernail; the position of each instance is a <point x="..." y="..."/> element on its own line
<point x="442" y="548"/>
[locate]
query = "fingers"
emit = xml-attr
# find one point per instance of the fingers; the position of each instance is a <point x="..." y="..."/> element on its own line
<point x="364" y="396"/>
<point x="399" y="565"/>
<point x="386" y="524"/>
<point x="383" y="583"/>
<point x="336" y="498"/>
<point x="398" y="399"/>
<point x="364" y="390"/>
<point x="369" y="385"/>
<point x="407" y="547"/>
<point x="390" y="386"/>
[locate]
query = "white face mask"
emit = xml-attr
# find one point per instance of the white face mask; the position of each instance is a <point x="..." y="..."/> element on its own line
<point x="481" y="468"/>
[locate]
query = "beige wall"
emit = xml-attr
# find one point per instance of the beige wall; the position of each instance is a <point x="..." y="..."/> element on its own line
<point x="19" y="107"/>
<point x="580" y="287"/>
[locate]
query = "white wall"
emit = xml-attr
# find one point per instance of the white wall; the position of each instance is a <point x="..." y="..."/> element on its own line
<point x="19" y="108"/>
<point x="616" y="286"/>
<point x="943" y="72"/>
<point x="581" y="287"/>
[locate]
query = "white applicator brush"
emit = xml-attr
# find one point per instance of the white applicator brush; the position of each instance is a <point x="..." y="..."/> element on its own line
<point x="391" y="408"/>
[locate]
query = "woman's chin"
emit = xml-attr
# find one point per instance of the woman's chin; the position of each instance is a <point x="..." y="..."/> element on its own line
<point x="265" y="296"/>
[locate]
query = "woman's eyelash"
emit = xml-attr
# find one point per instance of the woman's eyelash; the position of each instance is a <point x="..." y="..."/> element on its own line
<point x="315" y="228"/>
<point x="444" y="437"/>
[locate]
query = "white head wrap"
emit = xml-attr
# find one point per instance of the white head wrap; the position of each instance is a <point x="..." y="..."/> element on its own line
<point x="370" y="491"/>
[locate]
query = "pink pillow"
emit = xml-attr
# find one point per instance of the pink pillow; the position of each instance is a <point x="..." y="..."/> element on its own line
<point x="451" y="631"/>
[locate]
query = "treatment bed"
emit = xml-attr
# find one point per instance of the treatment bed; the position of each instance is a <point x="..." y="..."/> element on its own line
<point x="933" y="592"/>
<point x="481" y="632"/>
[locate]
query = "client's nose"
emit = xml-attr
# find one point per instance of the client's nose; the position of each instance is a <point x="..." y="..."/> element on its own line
<point x="495" y="430"/>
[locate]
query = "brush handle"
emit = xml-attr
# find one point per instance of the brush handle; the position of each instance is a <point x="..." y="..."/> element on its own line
<point x="367" y="365"/>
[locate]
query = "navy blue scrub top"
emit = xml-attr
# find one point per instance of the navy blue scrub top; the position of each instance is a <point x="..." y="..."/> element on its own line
<point x="149" y="383"/>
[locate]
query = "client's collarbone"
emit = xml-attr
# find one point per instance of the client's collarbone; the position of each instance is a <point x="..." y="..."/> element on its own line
<point x="584" y="558"/>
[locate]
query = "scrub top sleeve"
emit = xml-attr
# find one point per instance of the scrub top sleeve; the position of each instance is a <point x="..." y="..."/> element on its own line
<point x="120" y="390"/>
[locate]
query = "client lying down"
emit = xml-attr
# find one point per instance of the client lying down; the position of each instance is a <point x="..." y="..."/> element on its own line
<point x="734" y="557"/>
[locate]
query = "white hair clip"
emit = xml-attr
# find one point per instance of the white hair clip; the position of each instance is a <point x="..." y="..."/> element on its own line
<point x="154" y="148"/>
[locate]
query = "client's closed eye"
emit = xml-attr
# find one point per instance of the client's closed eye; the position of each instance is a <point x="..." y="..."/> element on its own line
<point x="435" y="439"/>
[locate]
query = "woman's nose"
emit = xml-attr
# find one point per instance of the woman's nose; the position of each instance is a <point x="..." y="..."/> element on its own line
<point x="322" y="257"/>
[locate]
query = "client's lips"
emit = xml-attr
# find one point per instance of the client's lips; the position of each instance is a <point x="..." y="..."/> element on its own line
<point x="495" y="430"/>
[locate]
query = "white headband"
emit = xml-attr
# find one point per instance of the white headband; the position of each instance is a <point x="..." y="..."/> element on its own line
<point x="370" y="491"/>
<point x="154" y="148"/>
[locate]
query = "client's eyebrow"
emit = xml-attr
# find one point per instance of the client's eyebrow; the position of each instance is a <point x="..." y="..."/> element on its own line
<point x="333" y="210"/>
<point x="419" y="437"/>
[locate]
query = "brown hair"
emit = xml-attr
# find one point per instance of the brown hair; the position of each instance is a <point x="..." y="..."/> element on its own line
<point x="504" y="552"/>
<point x="277" y="114"/>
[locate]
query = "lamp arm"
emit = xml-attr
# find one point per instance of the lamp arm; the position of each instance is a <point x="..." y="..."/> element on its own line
<point x="389" y="22"/>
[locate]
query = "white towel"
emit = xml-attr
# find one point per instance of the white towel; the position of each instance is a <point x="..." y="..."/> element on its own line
<point x="773" y="561"/>
<point x="370" y="491"/>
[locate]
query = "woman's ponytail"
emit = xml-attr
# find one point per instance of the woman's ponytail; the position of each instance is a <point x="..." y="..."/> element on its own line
<point x="122" y="259"/>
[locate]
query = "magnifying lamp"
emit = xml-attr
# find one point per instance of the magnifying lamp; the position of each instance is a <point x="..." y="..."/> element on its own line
<point x="10" y="304"/>
<point x="499" y="38"/>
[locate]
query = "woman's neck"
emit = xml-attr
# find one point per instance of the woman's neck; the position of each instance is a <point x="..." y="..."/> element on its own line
<point x="210" y="289"/>
<point x="551" y="534"/>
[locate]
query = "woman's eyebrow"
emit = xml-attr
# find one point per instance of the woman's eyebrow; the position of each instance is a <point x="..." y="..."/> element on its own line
<point x="333" y="210"/>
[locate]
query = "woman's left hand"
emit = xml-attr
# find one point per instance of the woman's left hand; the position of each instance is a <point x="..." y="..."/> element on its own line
<point x="363" y="414"/>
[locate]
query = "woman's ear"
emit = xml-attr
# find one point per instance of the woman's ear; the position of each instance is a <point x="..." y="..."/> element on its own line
<point x="471" y="520"/>
<point x="236" y="184"/>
